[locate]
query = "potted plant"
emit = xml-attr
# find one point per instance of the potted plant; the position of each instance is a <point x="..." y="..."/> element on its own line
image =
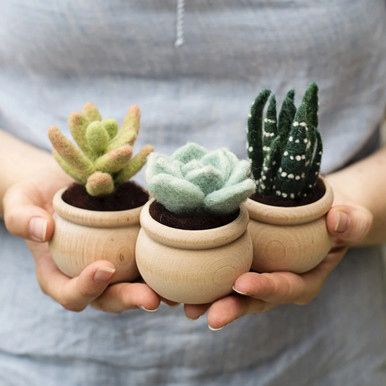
<point x="287" y="212"/>
<point x="97" y="217"/>
<point x="193" y="242"/>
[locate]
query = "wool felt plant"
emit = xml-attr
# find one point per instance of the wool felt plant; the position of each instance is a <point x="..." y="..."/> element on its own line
<point x="103" y="158"/>
<point x="285" y="151"/>
<point x="193" y="180"/>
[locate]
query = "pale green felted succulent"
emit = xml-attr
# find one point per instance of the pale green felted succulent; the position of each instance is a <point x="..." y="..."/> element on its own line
<point x="285" y="152"/>
<point x="104" y="157"/>
<point x="193" y="180"/>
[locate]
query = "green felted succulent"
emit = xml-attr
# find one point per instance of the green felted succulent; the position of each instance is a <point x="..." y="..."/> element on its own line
<point x="285" y="152"/>
<point x="194" y="180"/>
<point x="103" y="158"/>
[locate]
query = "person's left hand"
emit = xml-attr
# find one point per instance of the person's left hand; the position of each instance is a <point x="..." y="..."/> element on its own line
<point x="28" y="214"/>
<point x="259" y="292"/>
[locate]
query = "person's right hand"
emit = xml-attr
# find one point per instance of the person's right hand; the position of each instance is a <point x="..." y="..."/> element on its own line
<point x="27" y="214"/>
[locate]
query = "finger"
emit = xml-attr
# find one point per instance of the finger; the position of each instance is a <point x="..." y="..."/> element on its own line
<point x="230" y="308"/>
<point x="349" y="223"/>
<point x="287" y="287"/>
<point x="278" y="287"/>
<point x="125" y="296"/>
<point x="194" y="311"/>
<point x="170" y="303"/>
<point x="76" y="293"/>
<point x="25" y="219"/>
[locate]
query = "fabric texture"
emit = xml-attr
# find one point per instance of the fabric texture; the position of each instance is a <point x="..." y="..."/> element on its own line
<point x="55" y="56"/>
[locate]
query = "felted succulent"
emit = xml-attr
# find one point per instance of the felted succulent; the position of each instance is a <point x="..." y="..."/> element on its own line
<point x="103" y="158"/>
<point x="194" y="180"/>
<point x="285" y="153"/>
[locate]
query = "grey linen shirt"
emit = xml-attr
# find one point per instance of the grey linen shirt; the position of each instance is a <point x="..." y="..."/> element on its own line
<point x="194" y="68"/>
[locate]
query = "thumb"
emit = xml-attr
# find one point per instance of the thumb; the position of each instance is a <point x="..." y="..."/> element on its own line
<point x="25" y="219"/>
<point x="349" y="223"/>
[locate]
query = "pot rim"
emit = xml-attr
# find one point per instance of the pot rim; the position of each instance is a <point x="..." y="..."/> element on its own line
<point x="291" y="215"/>
<point x="194" y="239"/>
<point x="93" y="218"/>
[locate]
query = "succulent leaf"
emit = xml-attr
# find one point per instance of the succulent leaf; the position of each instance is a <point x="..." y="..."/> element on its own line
<point x="255" y="131"/>
<point x="186" y="168"/>
<point x="134" y="165"/>
<point x="314" y="169"/>
<point x="214" y="182"/>
<point x="115" y="160"/>
<point x="69" y="152"/>
<point x="78" y="175"/>
<point x="176" y="194"/>
<point x="160" y="164"/>
<point x="271" y="164"/>
<point x="287" y="114"/>
<point x="103" y="159"/>
<point x="97" y="138"/>
<point x="78" y="125"/>
<point x="100" y="184"/>
<point x="228" y="199"/>
<point x="239" y="173"/>
<point x="90" y="112"/>
<point x="311" y="101"/>
<point x="190" y="151"/>
<point x="270" y="126"/>
<point x="221" y="161"/>
<point x="131" y="122"/>
<point x="208" y="178"/>
<point x="128" y="132"/>
<point x="111" y="126"/>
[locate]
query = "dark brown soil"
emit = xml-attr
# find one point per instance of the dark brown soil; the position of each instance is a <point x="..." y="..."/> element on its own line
<point x="162" y="215"/>
<point x="128" y="195"/>
<point x="315" y="195"/>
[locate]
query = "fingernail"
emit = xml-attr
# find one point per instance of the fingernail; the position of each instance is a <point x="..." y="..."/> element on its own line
<point x="37" y="229"/>
<point x="240" y="292"/>
<point x="191" y="319"/>
<point x="215" y="329"/>
<point x="103" y="274"/>
<point x="342" y="222"/>
<point x="148" y="310"/>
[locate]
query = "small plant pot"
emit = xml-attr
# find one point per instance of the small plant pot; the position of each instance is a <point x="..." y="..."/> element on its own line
<point x="83" y="236"/>
<point x="193" y="266"/>
<point x="291" y="239"/>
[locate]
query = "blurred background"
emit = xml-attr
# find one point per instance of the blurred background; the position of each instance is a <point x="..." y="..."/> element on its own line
<point x="384" y="142"/>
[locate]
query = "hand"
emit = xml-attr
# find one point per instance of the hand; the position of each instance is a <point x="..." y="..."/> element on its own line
<point x="259" y="292"/>
<point x="27" y="214"/>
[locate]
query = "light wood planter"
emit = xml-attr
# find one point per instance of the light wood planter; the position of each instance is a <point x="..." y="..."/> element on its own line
<point x="193" y="266"/>
<point x="289" y="239"/>
<point x="83" y="236"/>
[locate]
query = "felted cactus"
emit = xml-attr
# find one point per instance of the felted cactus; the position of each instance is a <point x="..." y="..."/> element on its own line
<point x="103" y="158"/>
<point x="194" y="180"/>
<point x="285" y="152"/>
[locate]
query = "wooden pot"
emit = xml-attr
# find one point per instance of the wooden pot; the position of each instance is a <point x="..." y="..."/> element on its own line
<point x="83" y="236"/>
<point x="193" y="266"/>
<point x="289" y="239"/>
